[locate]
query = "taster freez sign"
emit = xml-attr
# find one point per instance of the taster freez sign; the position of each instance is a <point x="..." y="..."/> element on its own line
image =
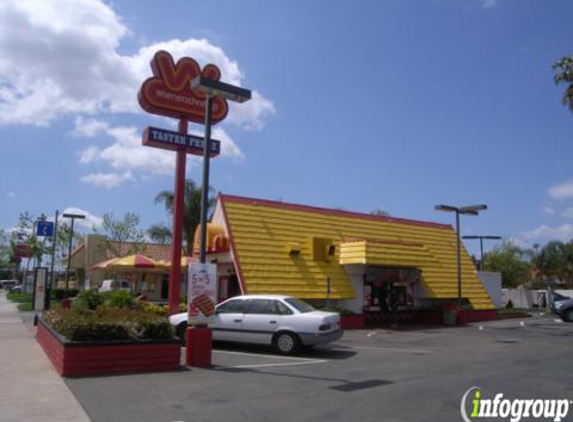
<point x="166" y="139"/>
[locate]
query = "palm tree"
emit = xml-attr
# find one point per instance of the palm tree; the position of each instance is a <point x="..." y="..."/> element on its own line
<point x="565" y="75"/>
<point x="159" y="233"/>
<point x="191" y="210"/>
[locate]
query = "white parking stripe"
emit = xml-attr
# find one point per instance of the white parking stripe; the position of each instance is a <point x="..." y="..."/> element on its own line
<point x="259" y="355"/>
<point x="263" y="365"/>
<point x="391" y="349"/>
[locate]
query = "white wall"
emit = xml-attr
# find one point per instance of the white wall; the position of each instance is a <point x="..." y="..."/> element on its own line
<point x="356" y="278"/>
<point x="492" y="284"/>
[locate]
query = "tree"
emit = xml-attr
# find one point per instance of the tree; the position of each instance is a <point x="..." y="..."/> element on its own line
<point x="191" y="210"/>
<point x="564" y="75"/>
<point x="24" y="234"/>
<point x="159" y="233"/>
<point x="122" y="230"/>
<point x="5" y="249"/>
<point x="511" y="261"/>
<point x="380" y="212"/>
<point x="555" y="260"/>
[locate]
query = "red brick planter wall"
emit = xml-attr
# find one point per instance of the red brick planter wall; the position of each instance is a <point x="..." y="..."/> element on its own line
<point x="481" y="315"/>
<point x="94" y="358"/>
<point x="350" y="322"/>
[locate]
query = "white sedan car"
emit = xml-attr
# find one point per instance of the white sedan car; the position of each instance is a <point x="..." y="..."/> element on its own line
<point x="284" y="322"/>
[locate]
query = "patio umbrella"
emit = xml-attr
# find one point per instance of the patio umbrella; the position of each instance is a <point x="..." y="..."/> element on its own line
<point x="185" y="261"/>
<point x="131" y="262"/>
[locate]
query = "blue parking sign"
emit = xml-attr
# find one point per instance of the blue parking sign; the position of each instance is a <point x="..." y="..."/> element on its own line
<point x="45" y="228"/>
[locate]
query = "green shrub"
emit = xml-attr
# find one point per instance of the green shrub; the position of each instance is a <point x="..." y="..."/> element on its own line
<point x="154" y="309"/>
<point x="19" y="297"/>
<point x="88" y="299"/>
<point x="107" y="324"/>
<point x="120" y="299"/>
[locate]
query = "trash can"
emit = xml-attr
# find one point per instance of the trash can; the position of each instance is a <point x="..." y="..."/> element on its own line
<point x="450" y="314"/>
<point x="450" y="317"/>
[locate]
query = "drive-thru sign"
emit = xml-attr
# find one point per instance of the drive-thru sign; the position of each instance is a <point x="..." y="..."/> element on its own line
<point x="202" y="293"/>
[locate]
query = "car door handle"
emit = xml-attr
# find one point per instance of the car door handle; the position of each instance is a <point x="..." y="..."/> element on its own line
<point x="273" y="322"/>
<point x="237" y="320"/>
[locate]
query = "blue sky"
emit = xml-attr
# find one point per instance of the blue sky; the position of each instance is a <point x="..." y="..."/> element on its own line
<point x="398" y="105"/>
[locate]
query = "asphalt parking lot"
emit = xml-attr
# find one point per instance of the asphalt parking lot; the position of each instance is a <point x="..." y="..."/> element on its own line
<point x="369" y="375"/>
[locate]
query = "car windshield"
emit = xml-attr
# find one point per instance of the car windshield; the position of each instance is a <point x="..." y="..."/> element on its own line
<point x="299" y="305"/>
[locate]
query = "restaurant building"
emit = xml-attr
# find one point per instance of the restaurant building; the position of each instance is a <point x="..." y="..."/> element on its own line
<point x="363" y="263"/>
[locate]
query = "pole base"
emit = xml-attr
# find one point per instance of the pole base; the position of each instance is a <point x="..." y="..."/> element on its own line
<point x="199" y="346"/>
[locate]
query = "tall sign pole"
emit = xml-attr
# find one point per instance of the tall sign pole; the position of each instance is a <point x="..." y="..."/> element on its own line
<point x="189" y="93"/>
<point x="177" y="226"/>
<point x="168" y="93"/>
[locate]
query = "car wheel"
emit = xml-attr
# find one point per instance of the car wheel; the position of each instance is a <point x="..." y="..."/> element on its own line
<point x="181" y="332"/>
<point x="286" y="343"/>
<point x="568" y="314"/>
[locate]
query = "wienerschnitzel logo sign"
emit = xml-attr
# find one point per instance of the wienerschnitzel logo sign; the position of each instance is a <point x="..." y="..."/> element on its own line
<point x="168" y="92"/>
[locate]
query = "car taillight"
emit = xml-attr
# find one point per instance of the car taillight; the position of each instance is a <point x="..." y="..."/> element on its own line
<point x="324" y="327"/>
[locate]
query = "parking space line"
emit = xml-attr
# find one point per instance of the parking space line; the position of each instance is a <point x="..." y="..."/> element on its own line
<point x="392" y="349"/>
<point x="260" y="355"/>
<point x="265" y="365"/>
<point x="297" y="360"/>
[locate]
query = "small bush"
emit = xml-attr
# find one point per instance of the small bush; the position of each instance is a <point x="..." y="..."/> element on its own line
<point x="154" y="309"/>
<point x="88" y="299"/>
<point x="107" y="324"/>
<point x="120" y="299"/>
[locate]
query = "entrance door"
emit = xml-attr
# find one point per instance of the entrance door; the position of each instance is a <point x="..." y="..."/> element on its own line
<point x="165" y="287"/>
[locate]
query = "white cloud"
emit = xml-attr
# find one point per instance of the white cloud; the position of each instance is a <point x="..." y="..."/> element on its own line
<point x="488" y="4"/>
<point x="61" y="57"/>
<point x="91" y="221"/>
<point x="87" y="128"/>
<point x="568" y="213"/>
<point x="564" y="233"/>
<point x="88" y="155"/>
<point x="518" y="242"/>
<point x="562" y="191"/>
<point x="107" y="180"/>
<point x="549" y="210"/>
<point x="11" y="194"/>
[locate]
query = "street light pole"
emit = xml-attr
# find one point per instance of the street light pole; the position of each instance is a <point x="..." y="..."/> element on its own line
<point x="73" y="217"/>
<point x="205" y="187"/>
<point x="481" y="239"/>
<point x="467" y="210"/>
<point x="212" y="88"/>
<point x="459" y="253"/>
<point x="52" y="264"/>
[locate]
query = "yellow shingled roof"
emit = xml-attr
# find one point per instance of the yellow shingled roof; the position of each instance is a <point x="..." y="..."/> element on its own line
<point x="263" y="232"/>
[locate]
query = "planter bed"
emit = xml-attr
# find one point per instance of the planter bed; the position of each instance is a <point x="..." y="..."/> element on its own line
<point x="79" y="358"/>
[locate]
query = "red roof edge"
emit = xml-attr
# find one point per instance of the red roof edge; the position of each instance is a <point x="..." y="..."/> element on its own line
<point x="330" y="211"/>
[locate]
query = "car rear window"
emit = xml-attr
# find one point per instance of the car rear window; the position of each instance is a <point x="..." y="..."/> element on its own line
<point x="299" y="305"/>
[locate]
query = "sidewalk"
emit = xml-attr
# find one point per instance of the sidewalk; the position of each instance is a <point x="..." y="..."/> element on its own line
<point x="30" y="388"/>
